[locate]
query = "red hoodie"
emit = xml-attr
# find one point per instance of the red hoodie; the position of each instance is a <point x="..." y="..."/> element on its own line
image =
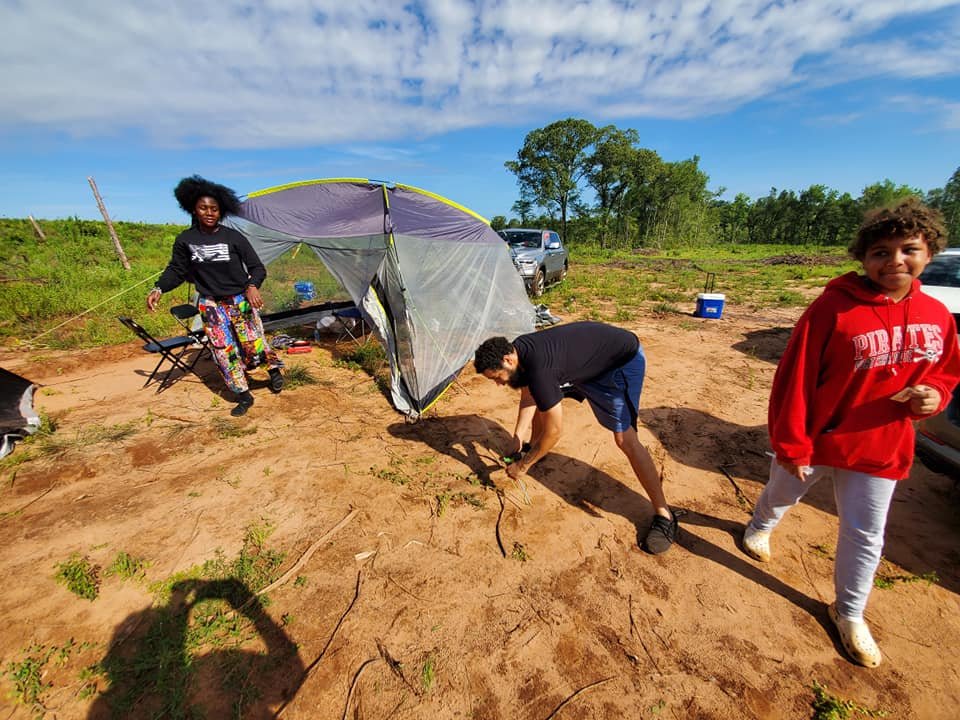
<point x="851" y="350"/>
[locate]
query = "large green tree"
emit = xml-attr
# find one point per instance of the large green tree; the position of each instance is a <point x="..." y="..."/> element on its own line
<point x="610" y="174"/>
<point x="552" y="164"/>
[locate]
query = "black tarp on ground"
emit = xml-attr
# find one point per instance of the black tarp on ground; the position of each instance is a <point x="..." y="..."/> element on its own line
<point x="17" y="416"/>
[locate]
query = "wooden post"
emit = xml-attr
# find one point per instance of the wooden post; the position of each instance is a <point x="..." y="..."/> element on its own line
<point x="36" y="228"/>
<point x="106" y="219"/>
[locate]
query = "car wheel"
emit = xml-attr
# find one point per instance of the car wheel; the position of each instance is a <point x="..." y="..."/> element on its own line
<point x="539" y="281"/>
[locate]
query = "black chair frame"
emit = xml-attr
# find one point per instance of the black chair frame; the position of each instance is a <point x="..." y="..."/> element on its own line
<point x="184" y="315"/>
<point x="171" y="350"/>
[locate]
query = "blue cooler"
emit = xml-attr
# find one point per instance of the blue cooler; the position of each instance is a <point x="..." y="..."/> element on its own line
<point x="710" y="305"/>
<point x="304" y="290"/>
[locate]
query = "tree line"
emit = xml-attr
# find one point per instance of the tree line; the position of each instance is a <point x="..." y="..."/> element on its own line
<point x="596" y="185"/>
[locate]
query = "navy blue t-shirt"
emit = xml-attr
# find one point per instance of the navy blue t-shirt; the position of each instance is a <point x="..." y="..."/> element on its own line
<point x="572" y="353"/>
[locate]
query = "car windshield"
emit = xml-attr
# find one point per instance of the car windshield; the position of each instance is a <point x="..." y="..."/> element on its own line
<point x="522" y="238"/>
<point x="943" y="270"/>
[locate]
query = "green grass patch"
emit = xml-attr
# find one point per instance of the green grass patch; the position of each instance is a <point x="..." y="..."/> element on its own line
<point x="79" y="576"/>
<point x="829" y="707"/>
<point x="127" y="567"/>
<point x="48" y="283"/>
<point x="206" y="608"/>
<point x="30" y="674"/>
<point x="886" y="581"/>
<point x="224" y="428"/>
<point x="298" y="375"/>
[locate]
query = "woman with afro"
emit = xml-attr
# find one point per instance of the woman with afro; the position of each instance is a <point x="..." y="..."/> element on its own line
<point x="227" y="274"/>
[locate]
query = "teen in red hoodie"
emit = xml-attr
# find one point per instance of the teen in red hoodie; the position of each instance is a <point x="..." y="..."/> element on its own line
<point x="868" y="357"/>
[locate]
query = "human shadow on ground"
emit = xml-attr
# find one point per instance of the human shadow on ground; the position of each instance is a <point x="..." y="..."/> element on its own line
<point x="476" y="442"/>
<point x="768" y="344"/>
<point x="155" y="667"/>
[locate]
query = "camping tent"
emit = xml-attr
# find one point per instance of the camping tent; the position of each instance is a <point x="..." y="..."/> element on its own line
<point x="429" y="275"/>
<point x="17" y="416"/>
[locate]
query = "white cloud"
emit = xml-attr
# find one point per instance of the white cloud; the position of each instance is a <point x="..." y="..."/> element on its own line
<point x="281" y="73"/>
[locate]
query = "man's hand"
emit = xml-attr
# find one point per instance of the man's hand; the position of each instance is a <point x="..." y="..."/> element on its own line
<point x="153" y="297"/>
<point x="253" y="296"/>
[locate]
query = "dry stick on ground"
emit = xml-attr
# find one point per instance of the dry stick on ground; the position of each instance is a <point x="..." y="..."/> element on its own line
<point x="583" y="689"/>
<point x="313" y="665"/>
<point x="24" y="507"/>
<point x="736" y="488"/>
<point x="353" y="685"/>
<point x="405" y="590"/>
<point x="636" y="633"/>
<point x="503" y="550"/>
<point x="303" y="558"/>
<point x="396" y="667"/>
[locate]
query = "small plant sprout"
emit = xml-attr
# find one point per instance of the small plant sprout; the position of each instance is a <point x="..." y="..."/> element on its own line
<point x="79" y="576"/>
<point x="828" y="707"/>
<point x="127" y="566"/>
<point x="519" y="552"/>
<point x="428" y="673"/>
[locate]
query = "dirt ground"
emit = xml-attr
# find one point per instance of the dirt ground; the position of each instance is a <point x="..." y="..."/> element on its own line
<point x="423" y="605"/>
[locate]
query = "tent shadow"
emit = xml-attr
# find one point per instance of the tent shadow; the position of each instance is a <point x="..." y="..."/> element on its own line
<point x="476" y="442"/>
<point x="151" y="672"/>
<point x="768" y="344"/>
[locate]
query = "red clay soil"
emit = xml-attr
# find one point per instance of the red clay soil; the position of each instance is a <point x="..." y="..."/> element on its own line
<point x="467" y="608"/>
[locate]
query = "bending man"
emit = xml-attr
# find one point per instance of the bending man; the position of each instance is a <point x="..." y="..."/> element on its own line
<point x="602" y="363"/>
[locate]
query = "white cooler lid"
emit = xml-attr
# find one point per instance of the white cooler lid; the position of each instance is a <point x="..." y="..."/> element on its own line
<point x="711" y="296"/>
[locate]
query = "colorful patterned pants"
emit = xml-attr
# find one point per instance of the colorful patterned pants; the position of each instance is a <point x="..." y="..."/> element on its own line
<point x="233" y="327"/>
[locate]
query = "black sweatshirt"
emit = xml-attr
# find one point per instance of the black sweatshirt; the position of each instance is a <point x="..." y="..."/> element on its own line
<point x="219" y="264"/>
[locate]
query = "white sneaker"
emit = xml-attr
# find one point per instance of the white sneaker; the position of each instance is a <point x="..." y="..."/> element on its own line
<point x="756" y="543"/>
<point x="856" y="639"/>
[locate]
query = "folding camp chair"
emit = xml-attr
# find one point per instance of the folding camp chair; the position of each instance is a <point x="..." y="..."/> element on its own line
<point x="165" y="348"/>
<point x="188" y="316"/>
<point x="350" y="319"/>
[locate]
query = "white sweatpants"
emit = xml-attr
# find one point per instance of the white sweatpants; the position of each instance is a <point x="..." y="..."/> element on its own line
<point x="862" y="504"/>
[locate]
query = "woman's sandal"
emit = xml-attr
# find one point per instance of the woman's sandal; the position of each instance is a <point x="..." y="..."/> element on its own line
<point x="856" y="639"/>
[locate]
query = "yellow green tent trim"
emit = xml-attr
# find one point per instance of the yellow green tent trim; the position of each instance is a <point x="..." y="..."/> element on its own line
<point x="442" y="199"/>
<point x="300" y="183"/>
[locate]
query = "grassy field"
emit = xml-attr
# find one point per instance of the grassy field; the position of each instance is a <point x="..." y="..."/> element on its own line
<point x="66" y="291"/>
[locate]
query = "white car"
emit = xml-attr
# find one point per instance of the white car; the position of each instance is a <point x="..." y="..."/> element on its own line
<point x="938" y="437"/>
<point x="941" y="279"/>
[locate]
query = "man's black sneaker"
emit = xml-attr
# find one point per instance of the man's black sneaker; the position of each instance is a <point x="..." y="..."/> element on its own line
<point x="662" y="534"/>
<point x="244" y="402"/>
<point x="276" y="380"/>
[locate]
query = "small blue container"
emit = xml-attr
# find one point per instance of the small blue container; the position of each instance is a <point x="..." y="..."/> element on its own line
<point x="710" y="305"/>
<point x="304" y="290"/>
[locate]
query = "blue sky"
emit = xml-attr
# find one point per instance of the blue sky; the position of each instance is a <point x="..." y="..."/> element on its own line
<point x="440" y="93"/>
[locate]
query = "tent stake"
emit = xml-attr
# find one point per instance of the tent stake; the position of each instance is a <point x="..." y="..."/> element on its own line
<point x="106" y="219"/>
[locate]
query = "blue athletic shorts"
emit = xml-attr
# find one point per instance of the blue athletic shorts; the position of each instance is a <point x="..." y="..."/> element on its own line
<point x="615" y="396"/>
